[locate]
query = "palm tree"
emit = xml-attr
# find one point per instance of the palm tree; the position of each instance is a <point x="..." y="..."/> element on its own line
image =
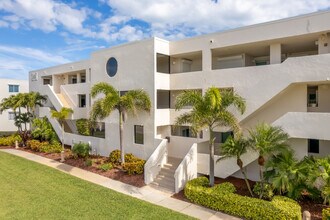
<point x="34" y="99"/>
<point x="130" y="102"/>
<point x="267" y="140"/>
<point x="210" y="111"/>
<point x="61" y="116"/>
<point x="236" y="147"/>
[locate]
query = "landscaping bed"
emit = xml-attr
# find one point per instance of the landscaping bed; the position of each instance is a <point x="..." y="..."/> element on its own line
<point x="314" y="208"/>
<point x="116" y="173"/>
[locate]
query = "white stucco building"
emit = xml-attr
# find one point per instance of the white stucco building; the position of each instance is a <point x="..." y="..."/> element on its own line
<point x="281" y="68"/>
<point x="10" y="87"/>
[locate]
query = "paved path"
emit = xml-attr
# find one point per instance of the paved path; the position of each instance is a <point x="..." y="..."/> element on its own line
<point x="145" y="193"/>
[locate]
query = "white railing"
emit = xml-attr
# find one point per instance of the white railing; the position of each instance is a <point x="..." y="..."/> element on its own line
<point x="187" y="169"/>
<point x="155" y="162"/>
<point x="53" y="97"/>
<point x="67" y="97"/>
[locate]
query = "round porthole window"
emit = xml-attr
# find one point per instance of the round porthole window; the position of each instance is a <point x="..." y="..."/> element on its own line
<point x="112" y="66"/>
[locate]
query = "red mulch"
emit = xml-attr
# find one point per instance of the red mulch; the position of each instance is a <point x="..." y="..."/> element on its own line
<point x="116" y="173"/>
<point x="314" y="208"/>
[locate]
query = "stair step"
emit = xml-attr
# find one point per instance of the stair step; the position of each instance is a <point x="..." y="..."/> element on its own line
<point x="166" y="172"/>
<point x="163" y="189"/>
<point x="165" y="179"/>
<point x="164" y="185"/>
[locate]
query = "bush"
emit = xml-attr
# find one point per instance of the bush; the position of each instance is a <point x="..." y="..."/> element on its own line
<point x="80" y="150"/>
<point x="83" y="126"/>
<point x="224" y="188"/>
<point x="10" y="140"/>
<point x="88" y="162"/>
<point x="221" y="198"/>
<point x="105" y="167"/>
<point x="54" y="147"/>
<point x="34" y="144"/>
<point x="43" y="130"/>
<point x="135" y="167"/>
<point x="268" y="190"/>
<point x="326" y="214"/>
<point x="114" y="157"/>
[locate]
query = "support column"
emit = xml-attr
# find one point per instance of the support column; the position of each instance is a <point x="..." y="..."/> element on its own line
<point x="275" y="53"/>
<point x="207" y="59"/>
<point x="323" y="44"/>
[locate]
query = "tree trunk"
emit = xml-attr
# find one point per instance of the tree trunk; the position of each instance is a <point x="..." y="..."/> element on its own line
<point x="62" y="136"/>
<point x="240" y="164"/>
<point x="121" y="129"/>
<point x="261" y="181"/>
<point x="211" y="146"/>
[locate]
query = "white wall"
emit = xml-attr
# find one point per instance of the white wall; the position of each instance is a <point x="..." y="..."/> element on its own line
<point x="6" y="124"/>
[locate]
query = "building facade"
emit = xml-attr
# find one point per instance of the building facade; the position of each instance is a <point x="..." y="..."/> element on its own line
<point x="281" y="69"/>
<point x="10" y="87"/>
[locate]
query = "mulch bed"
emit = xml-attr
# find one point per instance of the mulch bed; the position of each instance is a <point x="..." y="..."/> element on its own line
<point x="314" y="208"/>
<point x="116" y="173"/>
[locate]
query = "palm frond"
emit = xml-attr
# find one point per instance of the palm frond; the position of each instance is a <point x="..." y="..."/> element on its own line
<point x="188" y="98"/>
<point x="103" y="88"/>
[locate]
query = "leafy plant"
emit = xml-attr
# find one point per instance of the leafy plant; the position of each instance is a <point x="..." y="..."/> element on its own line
<point x="106" y="166"/>
<point x="326" y="214"/>
<point x="10" y="140"/>
<point x="83" y="126"/>
<point x="114" y="157"/>
<point x="43" y="130"/>
<point x="267" y="191"/>
<point x="135" y="167"/>
<point x="81" y="150"/>
<point x="88" y="162"/>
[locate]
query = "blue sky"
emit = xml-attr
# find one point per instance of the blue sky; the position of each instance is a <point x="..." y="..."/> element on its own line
<point x="41" y="33"/>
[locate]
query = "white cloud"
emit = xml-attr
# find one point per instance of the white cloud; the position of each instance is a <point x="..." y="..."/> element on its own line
<point x="46" y="15"/>
<point x="3" y="23"/>
<point x="178" y="18"/>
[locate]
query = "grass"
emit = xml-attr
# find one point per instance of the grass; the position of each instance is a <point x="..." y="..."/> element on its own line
<point x="29" y="190"/>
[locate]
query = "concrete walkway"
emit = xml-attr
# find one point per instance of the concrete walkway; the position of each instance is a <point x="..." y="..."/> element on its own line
<point x="145" y="193"/>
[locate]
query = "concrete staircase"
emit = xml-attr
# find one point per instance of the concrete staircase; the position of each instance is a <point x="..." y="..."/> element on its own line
<point x="165" y="179"/>
<point x="63" y="100"/>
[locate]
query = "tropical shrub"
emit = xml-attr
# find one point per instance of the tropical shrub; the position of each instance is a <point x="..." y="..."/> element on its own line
<point x="326" y="214"/>
<point x="135" y="167"/>
<point x="267" y="191"/>
<point x="54" y="147"/>
<point x="106" y="166"/>
<point x="223" y="199"/>
<point x="43" y="130"/>
<point x="10" y="140"/>
<point x="114" y="157"/>
<point x="80" y="150"/>
<point x="83" y="126"/>
<point x="88" y="162"/>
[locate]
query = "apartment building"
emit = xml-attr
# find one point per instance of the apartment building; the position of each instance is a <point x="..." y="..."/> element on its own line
<point x="10" y="87"/>
<point x="281" y="68"/>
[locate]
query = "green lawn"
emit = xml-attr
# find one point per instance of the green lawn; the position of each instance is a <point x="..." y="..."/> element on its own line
<point x="32" y="191"/>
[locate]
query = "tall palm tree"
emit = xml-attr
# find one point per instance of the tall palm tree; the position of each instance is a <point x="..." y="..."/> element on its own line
<point x="210" y="111"/>
<point x="61" y="116"/>
<point x="236" y="147"/>
<point x="130" y="102"/>
<point x="34" y="99"/>
<point x="267" y="140"/>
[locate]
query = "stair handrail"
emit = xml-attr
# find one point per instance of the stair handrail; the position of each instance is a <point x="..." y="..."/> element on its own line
<point x="53" y="97"/>
<point x="67" y="97"/>
<point x="156" y="161"/>
<point x="187" y="169"/>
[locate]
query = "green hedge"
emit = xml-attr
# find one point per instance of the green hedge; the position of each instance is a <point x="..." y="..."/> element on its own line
<point x="326" y="214"/>
<point x="222" y="198"/>
<point x="83" y="126"/>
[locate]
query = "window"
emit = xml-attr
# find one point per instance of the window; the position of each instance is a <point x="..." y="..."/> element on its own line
<point x="112" y="66"/>
<point x="163" y="99"/>
<point x="313" y="146"/>
<point x="11" y="115"/>
<point x="73" y="79"/>
<point x="82" y="101"/>
<point x="163" y="63"/>
<point x="138" y="134"/>
<point x="221" y="137"/>
<point x="121" y="93"/>
<point x="82" y="77"/>
<point x="312" y="96"/>
<point x="184" y="131"/>
<point x="47" y="81"/>
<point x="13" y="88"/>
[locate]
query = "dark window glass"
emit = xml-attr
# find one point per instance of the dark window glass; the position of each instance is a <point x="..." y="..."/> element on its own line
<point x="13" y="88"/>
<point x="163" y="99"/>
<point x="112" y="67"/>
<point x="82" y="101"/>
<point x="221" y="137"/>
<point x="138" y="134"/>
<point x="163" y="63"/>
<point x="313" y="146"/>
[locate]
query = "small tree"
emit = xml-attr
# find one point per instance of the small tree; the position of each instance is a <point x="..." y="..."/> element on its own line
<point x="210" y="111"/>
<point x="130" y="102"/>
<point x="236" y="147"/>
<point x="61" y="116"/>
<point x="267" y="140"/>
